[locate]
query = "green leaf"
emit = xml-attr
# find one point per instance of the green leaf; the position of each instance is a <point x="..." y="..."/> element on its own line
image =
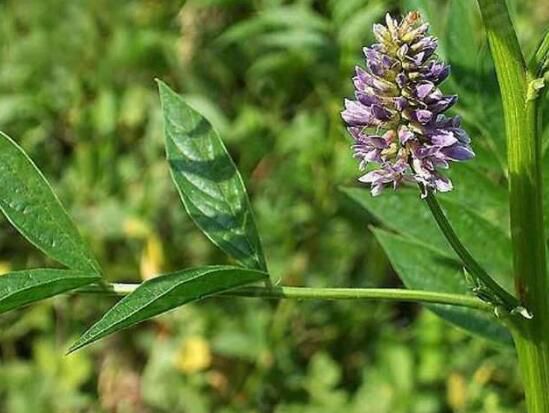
<point x="165" y="293"/>
<point x="24" y="287"/>
<point x="30" y="204"/>
<point x="461" y="36"/>
<point x="278" y="19"/>
<point x="208" y="182"/>
<point x="539" y="62"/>
<point x="424" y="268"/>
<point x="406" y="213"/>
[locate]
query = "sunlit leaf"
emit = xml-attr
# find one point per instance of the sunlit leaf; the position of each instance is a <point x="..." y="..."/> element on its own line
<point x="208" y="182"/>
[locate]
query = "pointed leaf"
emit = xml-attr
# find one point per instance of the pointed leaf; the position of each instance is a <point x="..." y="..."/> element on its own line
<point x="24" y="287"/>
<point x="404" y="212"/>
<point x="423" y="268"/>
<point x="165" y="293"/>
<point x="539" y="62"/>
<point x="208" y="182"/>
<point x="30" y="204"/>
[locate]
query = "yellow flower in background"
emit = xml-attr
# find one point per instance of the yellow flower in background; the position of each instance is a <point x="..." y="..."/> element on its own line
<point x="194" y="355"/>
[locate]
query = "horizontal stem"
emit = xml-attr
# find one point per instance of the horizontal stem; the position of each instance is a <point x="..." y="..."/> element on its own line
<point x="303" y="293"/>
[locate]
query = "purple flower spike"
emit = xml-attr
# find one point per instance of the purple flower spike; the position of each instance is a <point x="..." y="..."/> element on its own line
<point x="397" y="121"/>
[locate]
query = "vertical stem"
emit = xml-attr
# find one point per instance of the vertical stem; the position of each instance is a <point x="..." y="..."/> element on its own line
<point x="525" y="184"/>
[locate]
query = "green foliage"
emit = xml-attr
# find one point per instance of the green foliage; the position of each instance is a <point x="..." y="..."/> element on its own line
<point x="164" y="293"/>
<point x="208" y="182"/>
<point x="77" y="91"/>
<point x="461" y="36"/>
<point x="422" y="267"/>
<point x="540" y="59"/>
<point x="23" y="287"/>
<point x="29" y="203"/>
<point x="407" y="214"/>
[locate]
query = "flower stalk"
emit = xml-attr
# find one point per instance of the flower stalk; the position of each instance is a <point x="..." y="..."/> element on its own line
<point x="526" y="202"/>
<point x="498" y="295"/>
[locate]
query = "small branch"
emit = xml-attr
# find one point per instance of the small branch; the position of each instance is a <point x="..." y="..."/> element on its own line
<point x="303" y="293"/>
<point x="474" y="268"/>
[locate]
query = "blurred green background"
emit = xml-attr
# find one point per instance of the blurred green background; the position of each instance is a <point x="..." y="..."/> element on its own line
<point x="77" y="92"/>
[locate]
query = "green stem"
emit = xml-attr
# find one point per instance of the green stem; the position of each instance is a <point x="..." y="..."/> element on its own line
<point x="525" y="185"/>
<point x="303" y="293"/>
<point x="474" y="268"/>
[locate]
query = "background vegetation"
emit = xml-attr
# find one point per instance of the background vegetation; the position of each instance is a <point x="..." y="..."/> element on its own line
<point x="77" y="92"/>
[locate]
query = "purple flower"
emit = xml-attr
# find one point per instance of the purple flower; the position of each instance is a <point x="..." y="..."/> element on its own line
<point x="400" y="132"/>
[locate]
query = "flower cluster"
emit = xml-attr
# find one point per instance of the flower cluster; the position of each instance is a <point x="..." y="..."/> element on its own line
<point x="397" y="120"/>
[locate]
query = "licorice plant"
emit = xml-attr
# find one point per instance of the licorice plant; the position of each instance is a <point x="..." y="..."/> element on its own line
<point x="405" y="142"/>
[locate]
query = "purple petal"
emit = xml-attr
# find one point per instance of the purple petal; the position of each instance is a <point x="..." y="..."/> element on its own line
<point x="443" y="184"/>
<point x="443" y="138"/>
<point x="367" y="99"/>
<point x="443" y="104"/>
<point x="401" y="80"/>
<point x="381" y="113"/>
<point x="356" y="114"/>
<point x="400" y="103"/>
<point x="459" y="152"/>
<point x="405" y="135"/>
<point x="423" y="89"/>
<point x="422" y="116"/>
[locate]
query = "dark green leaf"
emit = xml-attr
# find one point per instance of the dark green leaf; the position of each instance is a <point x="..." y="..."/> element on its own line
<point x="31" y="206"/>
<point x="24" y="287"/>
<point x="406" y="213"/>
<point x="208" y="182"/>
<point x="477" y="192"/>
<point x="165" y="293"/>
<point x="423" y="268"/>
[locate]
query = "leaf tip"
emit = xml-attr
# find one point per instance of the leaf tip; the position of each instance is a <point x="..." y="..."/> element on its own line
<point x="163" y="87"/>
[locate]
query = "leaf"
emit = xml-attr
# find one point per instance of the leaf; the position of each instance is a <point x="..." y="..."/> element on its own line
<point x="279" y="19"/>
<point x="29" y="203"/>
<point x="539" y="62"/>
<point x="461" y="38"/>
<point x="423" y="268"/>
<point x="353" y="31"/>
<point x="165" y="293"/>
<point x="406" y="213"/>
<point x="24" y="287"/>
<point x="208" y="182"/>
<point x="477" y="192"/>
